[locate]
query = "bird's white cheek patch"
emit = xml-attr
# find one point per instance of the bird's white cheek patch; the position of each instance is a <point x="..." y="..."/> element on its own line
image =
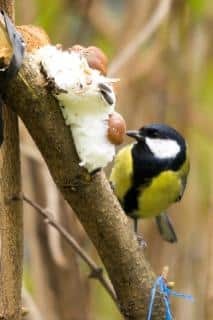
<point x="87" y="99"/>
<point x="163" y="148"/>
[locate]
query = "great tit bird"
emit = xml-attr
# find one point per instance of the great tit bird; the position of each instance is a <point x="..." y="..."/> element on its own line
<point x="151" y="174"/>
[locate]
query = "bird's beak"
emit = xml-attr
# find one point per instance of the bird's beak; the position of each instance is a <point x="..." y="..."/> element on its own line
<point x="135" y="134"/>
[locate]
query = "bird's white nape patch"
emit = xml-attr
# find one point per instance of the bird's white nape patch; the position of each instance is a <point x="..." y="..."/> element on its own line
<point x="163" y="148"/>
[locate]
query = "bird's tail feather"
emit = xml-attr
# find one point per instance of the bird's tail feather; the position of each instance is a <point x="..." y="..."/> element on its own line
<point x="165" y="228"/>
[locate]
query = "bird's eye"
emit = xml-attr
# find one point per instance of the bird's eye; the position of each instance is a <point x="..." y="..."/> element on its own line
<point x="154" y="134"/>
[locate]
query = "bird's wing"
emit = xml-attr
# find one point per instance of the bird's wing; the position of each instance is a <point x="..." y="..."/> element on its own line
<point x="165" y="228"/>
<point x="121" y="175"/>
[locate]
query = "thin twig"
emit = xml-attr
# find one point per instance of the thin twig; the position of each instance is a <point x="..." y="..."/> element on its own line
<point x="54" y="206"/>
<point x="152" y="25"/>
<point x="96" y="272"/>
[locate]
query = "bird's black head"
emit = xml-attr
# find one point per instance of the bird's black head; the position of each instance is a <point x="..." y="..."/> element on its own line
<point x="159" y="145"/>
<point x="157" y="131"/>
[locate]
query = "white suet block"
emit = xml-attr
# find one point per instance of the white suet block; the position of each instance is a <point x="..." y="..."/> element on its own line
<point x="86" y="99"/>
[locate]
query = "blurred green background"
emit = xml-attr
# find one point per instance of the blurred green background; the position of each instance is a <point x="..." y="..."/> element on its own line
<point x="168" y="79"/>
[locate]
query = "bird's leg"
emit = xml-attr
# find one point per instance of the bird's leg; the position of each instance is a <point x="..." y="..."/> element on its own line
<point x="140" y="239"/>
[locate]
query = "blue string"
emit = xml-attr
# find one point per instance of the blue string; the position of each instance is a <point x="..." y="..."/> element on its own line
<point x="161" y="283"/>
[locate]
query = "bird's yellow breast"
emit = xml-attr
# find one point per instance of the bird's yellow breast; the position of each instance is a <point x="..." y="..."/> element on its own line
<point x="162" y="191"/>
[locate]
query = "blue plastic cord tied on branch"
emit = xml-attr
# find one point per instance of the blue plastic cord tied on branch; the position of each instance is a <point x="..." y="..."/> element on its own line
<point x="160" y="284"/>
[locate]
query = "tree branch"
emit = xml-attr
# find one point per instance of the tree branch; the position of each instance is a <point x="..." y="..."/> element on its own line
<point x="91" y="197"/>
<point x="151" y="26"/>
<point x="96" y="272"/>
<point x="9" y="7"/>
<point x="10" y="212"/>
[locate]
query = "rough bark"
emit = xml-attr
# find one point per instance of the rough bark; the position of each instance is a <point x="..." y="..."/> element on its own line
<point x="10" y="213"/>
<point x="10" y="222"/>
<point x="8" y="6"/>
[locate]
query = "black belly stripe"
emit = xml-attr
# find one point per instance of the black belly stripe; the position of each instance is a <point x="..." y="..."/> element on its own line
<point x="130" y="203"/>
